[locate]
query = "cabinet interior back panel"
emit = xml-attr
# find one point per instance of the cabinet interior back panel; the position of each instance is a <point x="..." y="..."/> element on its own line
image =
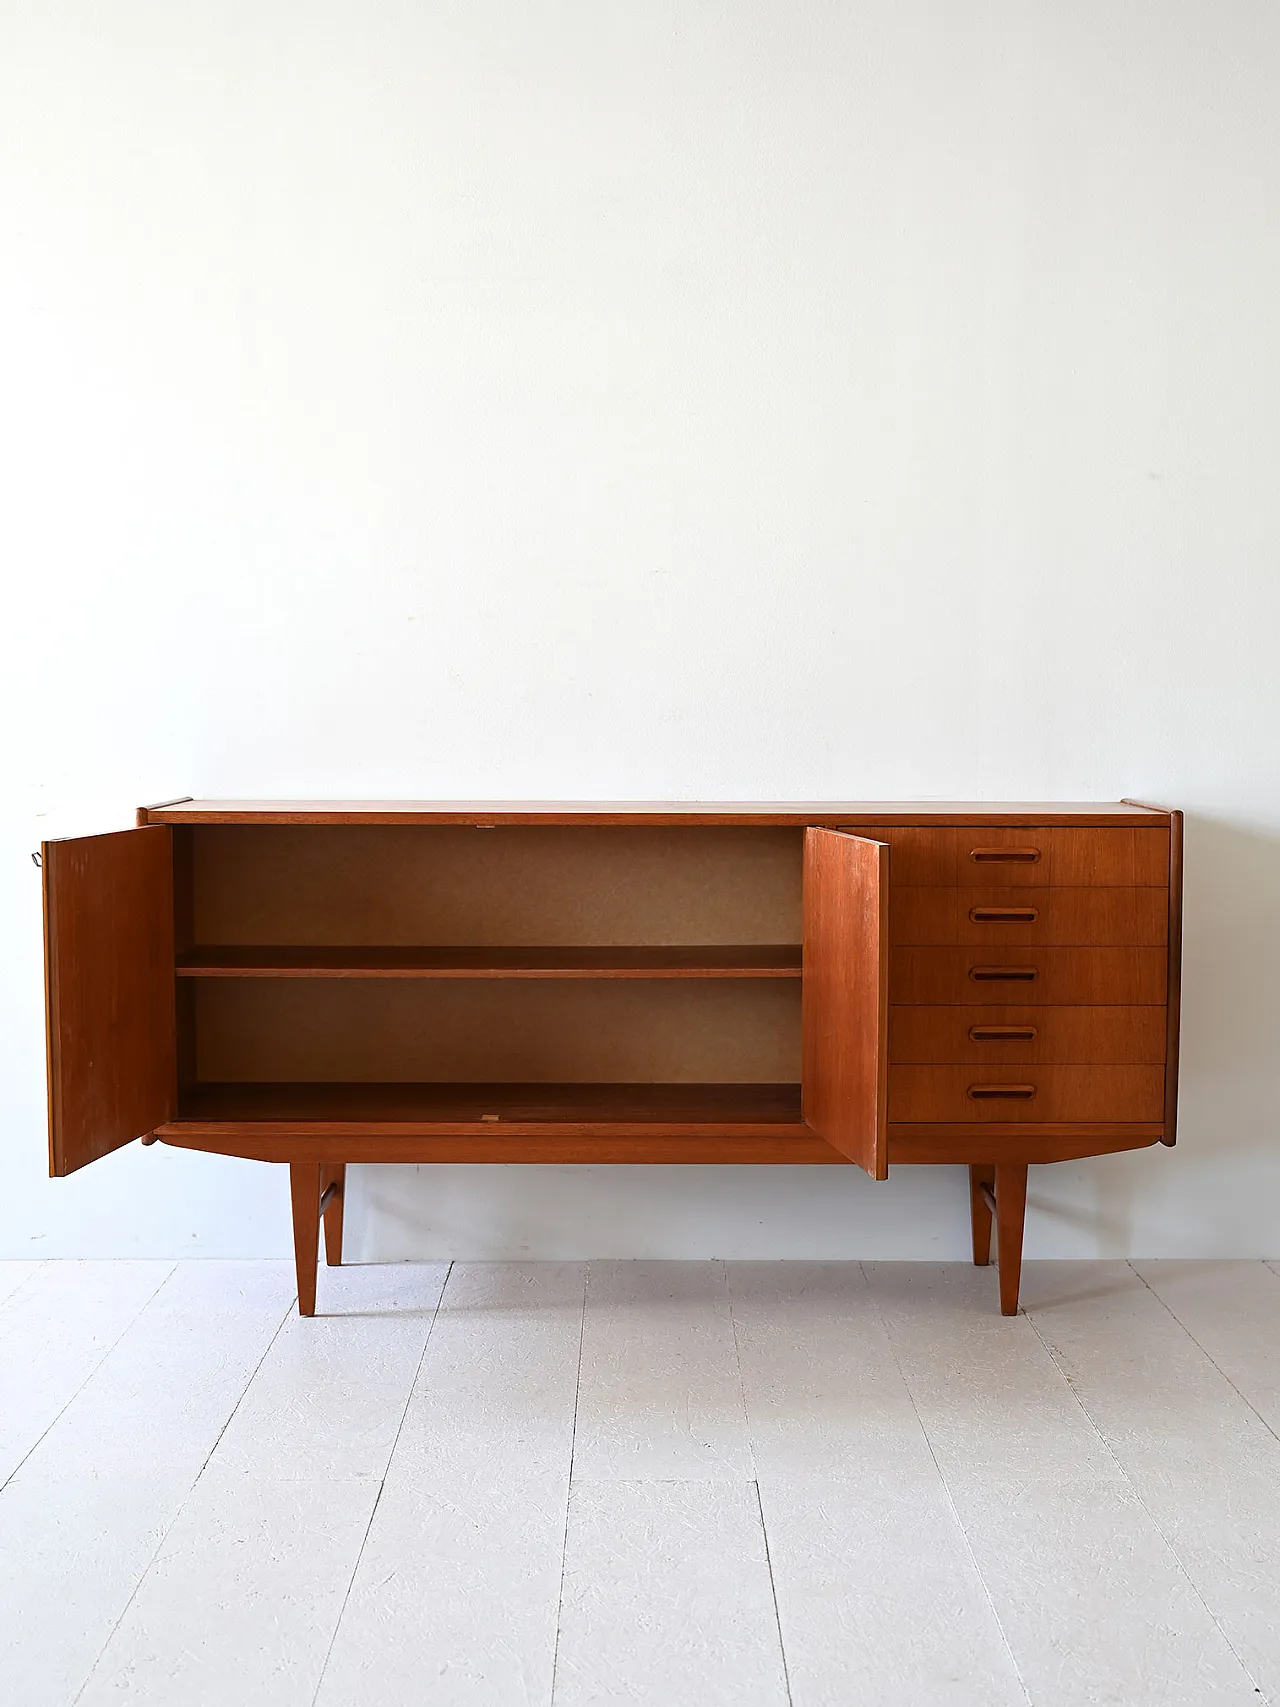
<point x="522" y="887"/>
<point x="719" y="1031"/>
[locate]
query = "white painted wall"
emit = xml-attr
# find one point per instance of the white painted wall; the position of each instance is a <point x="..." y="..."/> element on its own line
<point x="663" y="399"/>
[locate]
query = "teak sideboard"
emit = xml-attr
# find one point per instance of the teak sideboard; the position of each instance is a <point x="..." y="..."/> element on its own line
<point x="320" y="983"/>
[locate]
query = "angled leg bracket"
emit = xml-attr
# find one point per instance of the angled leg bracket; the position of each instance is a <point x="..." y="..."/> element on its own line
<point x="998" y="1192"/>
<point x="318" y="1190"/>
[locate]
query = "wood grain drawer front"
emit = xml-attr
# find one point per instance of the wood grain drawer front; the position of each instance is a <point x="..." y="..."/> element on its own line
<point x="1031" y="1093"/>
<point x="1057" y="917"/>
<point x="1067" y="977"/>
<point x="1014" y="857"/>
<point x="1027" y="1036"/>
<point x="916" y="855"/>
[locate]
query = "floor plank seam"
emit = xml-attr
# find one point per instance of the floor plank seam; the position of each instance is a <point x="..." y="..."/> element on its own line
<point x="145" y="1305"/>
<point x="568" y="1496"/>
<point x="773" y="1593"/>
<point x="737" y="1363"/>
<point x="755" y="1482"/>
<point x="1159" y="1528"/>
<point x="253" y="1376"/>
<point x="947" y="1495"/>
<point x="377" y="1498"/>
<point x="22" y="1285"/>
<point x="182" y="1503"/>
<point x="1205" y="1352"/>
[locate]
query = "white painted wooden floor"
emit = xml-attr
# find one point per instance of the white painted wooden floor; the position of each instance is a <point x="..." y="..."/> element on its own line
<point x="667" y="1483"/>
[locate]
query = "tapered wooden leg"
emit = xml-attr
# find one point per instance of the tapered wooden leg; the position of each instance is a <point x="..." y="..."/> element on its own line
<point x="304" y="1187"/>
<point x="333" y="1174"/>
<point x="980" y="1174"/>
<point x="1011" y="1211"/>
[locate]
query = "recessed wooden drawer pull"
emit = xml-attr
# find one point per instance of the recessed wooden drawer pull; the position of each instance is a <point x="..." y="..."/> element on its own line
<point x="1014" y="1093"/>
<point x="1004" y="915"/>
<point x="1004" y="856"/>
<point x="1003" y="974"/>
<point x="1002" y="1033"/>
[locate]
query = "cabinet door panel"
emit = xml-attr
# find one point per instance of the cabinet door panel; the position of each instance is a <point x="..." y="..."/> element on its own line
<point x="844" y="1083"/>
<point x="109" y="989"/>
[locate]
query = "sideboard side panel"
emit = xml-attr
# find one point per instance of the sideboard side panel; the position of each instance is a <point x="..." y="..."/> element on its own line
<point x="1175" y="980"/>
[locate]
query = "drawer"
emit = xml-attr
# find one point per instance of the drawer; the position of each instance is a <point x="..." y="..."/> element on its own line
<point x="1066" y="977"/>
<point x="1005" y="857"/>
<point x="916" y="855"/>
<point x="1022" y="1036"/>
<point x="1033" y="1093"/>
<point x="1064" y="858"/>
<point x="1089" y="857"/>
<point x="938" y="917"/>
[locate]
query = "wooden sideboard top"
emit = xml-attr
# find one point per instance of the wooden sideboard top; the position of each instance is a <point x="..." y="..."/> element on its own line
<point x="787" y="814"/>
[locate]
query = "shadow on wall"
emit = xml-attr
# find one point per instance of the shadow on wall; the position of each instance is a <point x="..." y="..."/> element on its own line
<point x="1187" y="1201"/>
<point x="1183" y="1202"/>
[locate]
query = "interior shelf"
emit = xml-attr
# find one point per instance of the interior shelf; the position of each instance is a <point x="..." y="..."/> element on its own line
<point x="768" y="960"/>
<point x="604" y="1105"/>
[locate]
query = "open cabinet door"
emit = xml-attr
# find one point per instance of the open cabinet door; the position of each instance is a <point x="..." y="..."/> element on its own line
<point x="109" y="991"/>
<point x="845" y="1074"/>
